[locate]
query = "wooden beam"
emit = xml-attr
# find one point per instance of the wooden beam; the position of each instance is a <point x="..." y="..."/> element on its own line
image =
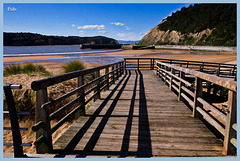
<point x="42" y="115"/>
<point x="230" y="133"/>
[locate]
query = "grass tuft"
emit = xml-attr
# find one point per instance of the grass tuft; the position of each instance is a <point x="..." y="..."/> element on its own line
<point x="12" y="69"/>
<point x="73" y="66"/>
<point x="27" y="68"/>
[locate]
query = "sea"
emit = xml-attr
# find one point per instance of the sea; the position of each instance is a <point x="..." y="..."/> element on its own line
<point x="70" y="53"/>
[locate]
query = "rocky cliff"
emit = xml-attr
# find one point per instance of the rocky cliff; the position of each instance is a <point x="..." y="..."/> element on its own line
<point x="158" y="37"/>
<point x="201" y="24"/>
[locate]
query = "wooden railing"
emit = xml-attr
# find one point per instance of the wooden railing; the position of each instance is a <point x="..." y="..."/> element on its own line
<point x="13" y="115"/>
<point x="191" y="86"/>
<point x="219" y="69"/>
<point x="93" y="88"/>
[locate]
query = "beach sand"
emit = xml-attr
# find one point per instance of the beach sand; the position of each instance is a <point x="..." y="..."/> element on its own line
<point x="219" y="57"/>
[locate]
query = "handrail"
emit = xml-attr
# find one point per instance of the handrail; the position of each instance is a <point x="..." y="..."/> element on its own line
<point x="219" y="69"/>
<point x="179" y="60"/>
<point x="93" y="88"/>
<point x="224" y="82"/>
<point x="43" y="83"/>
<point x="225" y="123"/>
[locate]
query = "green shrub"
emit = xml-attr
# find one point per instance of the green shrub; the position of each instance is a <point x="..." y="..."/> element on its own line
<point x="27" y="68"/>
<point x="74" y="66"/>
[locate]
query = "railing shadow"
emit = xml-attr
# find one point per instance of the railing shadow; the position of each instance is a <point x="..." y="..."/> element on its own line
<point x="144" y="138"/>
<point x="144" y="148"/>
<point x="75" y="140"/>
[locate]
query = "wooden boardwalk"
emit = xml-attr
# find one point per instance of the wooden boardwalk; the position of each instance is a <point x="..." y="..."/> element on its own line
<point x="138" y="117"/>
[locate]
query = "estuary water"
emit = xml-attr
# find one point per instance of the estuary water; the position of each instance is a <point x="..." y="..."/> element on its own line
<point x="71" y="52"/>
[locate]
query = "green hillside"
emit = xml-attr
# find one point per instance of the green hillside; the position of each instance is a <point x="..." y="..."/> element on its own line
<point x="219" y="17"/>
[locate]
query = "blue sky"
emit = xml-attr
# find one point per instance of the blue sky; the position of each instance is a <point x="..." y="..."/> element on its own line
<point x="118" y="21"/>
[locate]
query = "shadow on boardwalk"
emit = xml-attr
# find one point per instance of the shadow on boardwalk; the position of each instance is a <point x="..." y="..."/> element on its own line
<point x="144" y="148"/>
<point x="138" y="117"/>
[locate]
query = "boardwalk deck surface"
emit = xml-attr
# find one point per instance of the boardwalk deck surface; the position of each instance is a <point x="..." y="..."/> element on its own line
<point x="139" y="117"/>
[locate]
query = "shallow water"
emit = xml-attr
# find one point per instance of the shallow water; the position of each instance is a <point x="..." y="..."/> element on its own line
<point x="48" y="50"/>
<point x="73" y="52"/>
<point x="89" y="59"/>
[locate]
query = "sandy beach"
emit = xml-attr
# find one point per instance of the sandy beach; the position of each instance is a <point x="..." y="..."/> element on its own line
<point x="221" y="57"/>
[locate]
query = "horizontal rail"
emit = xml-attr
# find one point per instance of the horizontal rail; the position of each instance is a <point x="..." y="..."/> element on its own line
<point x="226" y="83"/>
<point x="38" y="126"/>
<point x="19" y="113"/>
<point x="54" y="101"/>
<point x="188" y="91"/>
<point x="63" y="108"/>
<point x="211" y="121"/>
<point x="222" y="116"/>
<point x="44" y="83"/>
<point x="90" y="98"/>
<point x="234" y="142"/>
<point x="13" y="86"/>
<point x="191" y="103"/>
<point x="63" y="120"/>
<point x="23" y="144"/>
<point x="10" y="128"/>
<point x="234" y="126"/>
<point x="184" y="61"/>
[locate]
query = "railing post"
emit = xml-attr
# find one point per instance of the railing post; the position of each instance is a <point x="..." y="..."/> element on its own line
<point x="118" y="70"/>
<point x="200" y="68"/>
<point x="218" y="70"/>
<point x="42" y="115"/>
<point x="151" y="65"/>
<point x="113" y="74"/>
<point x="82" y="111"/>
<point x="138" y="64"/>
<point x="171" y="80"/>
<point x="17" y="139"/>
<point x="182" y="75"/>
<point x="121" y="69"/>
<point x="165" y="67"/>
<point x="162" y="72"/>
<point x="98" y="85"/>
<point x="228" y="148"/>
<point x="198" y="93"/>
<point x="157" y="70"/>
<point x="107" y="77"/>
<point x="125" y="66"/>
